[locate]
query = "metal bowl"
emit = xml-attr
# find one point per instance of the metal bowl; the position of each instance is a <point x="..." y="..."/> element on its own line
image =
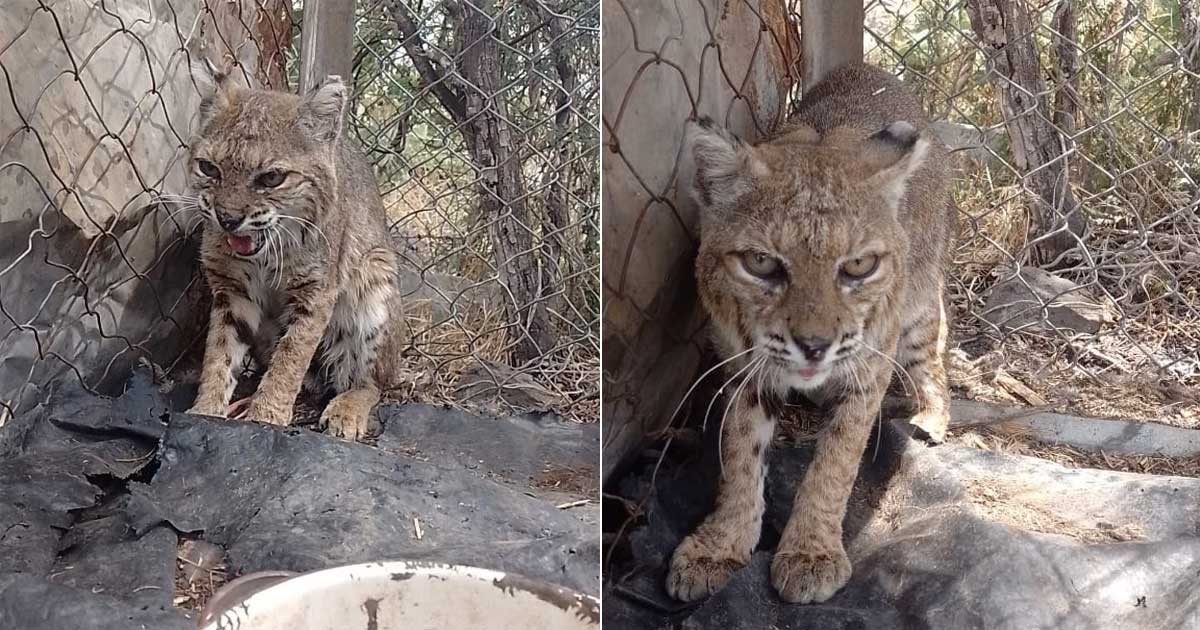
<point x="397" y="596"/>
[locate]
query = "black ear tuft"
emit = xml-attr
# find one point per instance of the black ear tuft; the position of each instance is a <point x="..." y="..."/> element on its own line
<point x="725" y="166"/>
<point x="901" y="133"/>
<point x="323" y="110"/>
<point x="213" y="83"/>
<point x="891" y="156"/>
<point x="706" y="123"/>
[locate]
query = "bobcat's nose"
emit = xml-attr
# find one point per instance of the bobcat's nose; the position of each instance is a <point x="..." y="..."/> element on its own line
<point x="813" y="348"/>
<point x="228" y="222"/>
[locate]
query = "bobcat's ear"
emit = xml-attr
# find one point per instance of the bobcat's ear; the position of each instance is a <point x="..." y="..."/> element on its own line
<point x="323" y="111"/>
<point x="891" y="156"/>
<point x="213" y="84"/>
<point x="725" y="165"/>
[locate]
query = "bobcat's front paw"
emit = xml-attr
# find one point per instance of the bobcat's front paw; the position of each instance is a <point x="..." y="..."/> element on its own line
<point x="345" y="423"/>
<point x="933" y="424"/>
<point x="699" y="568"/>
<point x="806" y="576"/>
<point x="261" y="410"/>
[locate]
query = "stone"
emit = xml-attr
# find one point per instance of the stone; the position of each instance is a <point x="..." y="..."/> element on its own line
<point x="1017" y="301"/>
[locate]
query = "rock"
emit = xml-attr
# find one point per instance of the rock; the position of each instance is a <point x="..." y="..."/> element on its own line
<point x="1017" y="302"/>
<point x="652" y="329"/>
<point x="94" y="124"/>
<point x="447" y="296"/>
<point x="1114" y="436"/>
<point x="499" y="388"/>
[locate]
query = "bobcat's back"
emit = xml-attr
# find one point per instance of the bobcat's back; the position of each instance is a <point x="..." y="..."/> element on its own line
<point x="866" y="98"/>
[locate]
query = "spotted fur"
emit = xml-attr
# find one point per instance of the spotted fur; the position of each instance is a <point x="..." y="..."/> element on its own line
<point x="320" y="287"/>
<point x="821" y="266"/>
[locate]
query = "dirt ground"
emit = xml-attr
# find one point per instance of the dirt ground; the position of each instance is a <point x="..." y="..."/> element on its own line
<point x="196" y="577"/>
<point x="997" y="501"/>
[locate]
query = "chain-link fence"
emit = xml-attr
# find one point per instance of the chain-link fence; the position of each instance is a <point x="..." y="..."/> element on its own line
<point x="480" y="117"/>
<point x="1078" y="267"/>
<point x="663" y="63"/>
<point x="482" y="121"/>
<point x="1076" y="279"/>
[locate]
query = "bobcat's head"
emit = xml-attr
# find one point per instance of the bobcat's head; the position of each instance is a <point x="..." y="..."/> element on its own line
<point x="801" y="248"/>
<point x="262" y="164"/>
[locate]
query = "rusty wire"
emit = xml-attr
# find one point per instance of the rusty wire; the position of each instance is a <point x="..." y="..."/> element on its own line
<point x="98" y="272"/>
<point x="1119" y="93"/>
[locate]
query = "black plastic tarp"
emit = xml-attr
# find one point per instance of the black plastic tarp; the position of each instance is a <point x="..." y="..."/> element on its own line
<point x="96" y="493"/>
<point x="946" y="537"/>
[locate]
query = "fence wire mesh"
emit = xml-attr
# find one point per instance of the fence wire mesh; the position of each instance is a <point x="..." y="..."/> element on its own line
<point x="480" y="118"/>
<point x="1073" y="126"/>
<point x="1078" y="265"/>
<point x="664" y="62"/>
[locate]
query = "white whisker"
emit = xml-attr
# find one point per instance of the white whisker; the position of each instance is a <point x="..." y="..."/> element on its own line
<point x="720" y="390"/>
<point x="701" y="378"/>
<point x="180" y="210"/>
<point x="291" y="236"/>
<point x="306" y="223"/>
<point x="878" y="413"/>
<point x="734" y="402"/>
<point x="172" y="198"/>
<point x="271" y="237"/>
<point x="670" y="437"/>
<point x="899" y="368"/>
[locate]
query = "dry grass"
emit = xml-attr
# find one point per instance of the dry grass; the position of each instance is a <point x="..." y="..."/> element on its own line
<point x="579" y="480"/>
<point x="441" y="348"/>
<point x="1067" y="382"/>
<point x="992" y="223"/>
<point x="1144" y="366"/>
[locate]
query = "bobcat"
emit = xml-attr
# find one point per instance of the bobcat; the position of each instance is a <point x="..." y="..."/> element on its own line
<point x="296" y="251"/>
<point x="821" y="266"/>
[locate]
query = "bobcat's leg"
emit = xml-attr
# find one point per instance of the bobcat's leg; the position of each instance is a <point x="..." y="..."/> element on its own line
<point x="921" y="353"/>
<point x="810" y="564"/>
<point x="706" y="559"/>
<point x="232" y="324"/>
<point x="361" y="321"/>
<point x="309" y="304"/>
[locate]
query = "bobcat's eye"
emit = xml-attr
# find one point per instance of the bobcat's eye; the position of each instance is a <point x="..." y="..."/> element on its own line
<point x="208" y="169"/>
<point x="762" y="265"/>
<point x="270" y="179"/>
<point x="860" y="268"/>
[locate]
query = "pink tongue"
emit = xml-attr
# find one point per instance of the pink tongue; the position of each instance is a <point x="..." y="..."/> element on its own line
<point x="243" y="245"/>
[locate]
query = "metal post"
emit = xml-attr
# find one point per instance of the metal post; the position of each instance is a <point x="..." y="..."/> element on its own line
<point x="326" y="41"/>
<point x="831" y="36"/>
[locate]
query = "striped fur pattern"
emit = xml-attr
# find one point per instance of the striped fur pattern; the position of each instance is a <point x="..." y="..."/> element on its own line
<point x="821" y="266"/>
<point x="296" y="251"/>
